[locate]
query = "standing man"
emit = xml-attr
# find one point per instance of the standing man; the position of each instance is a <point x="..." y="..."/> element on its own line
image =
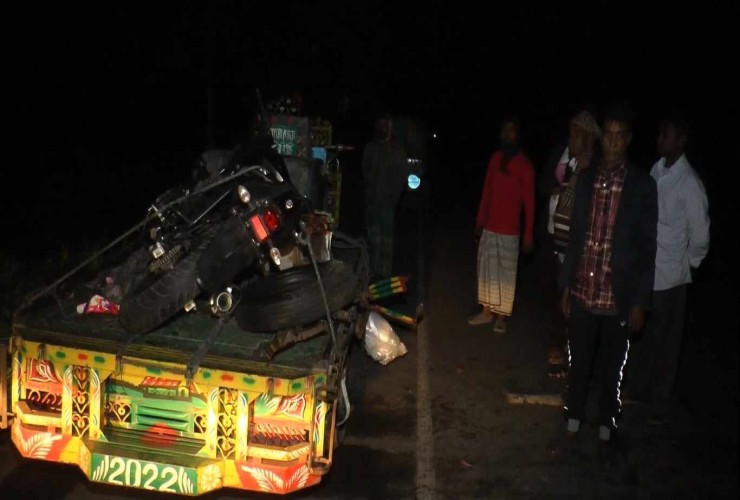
<point x="582" y="136"/>
<point x="683" y="242"/>
<point x="558" y="183"/>
<point x="607" y="277"/>
<point x="508" y="187"/>
<point x="383" y="168"/>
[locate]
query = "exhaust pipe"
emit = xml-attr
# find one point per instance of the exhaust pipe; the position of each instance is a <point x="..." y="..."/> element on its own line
<point x="223" y="302"/>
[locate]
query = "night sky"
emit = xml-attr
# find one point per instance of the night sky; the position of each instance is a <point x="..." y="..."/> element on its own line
<point x="111" y="101"/>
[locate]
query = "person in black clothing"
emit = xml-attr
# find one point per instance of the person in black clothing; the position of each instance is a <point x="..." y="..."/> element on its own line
<point x="557" y="184"/>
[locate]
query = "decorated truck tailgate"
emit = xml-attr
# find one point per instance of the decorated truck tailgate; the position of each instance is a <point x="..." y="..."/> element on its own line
<point x="83" y="393"/>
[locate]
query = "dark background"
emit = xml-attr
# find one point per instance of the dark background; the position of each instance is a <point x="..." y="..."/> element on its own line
<point x="109" y="104"/>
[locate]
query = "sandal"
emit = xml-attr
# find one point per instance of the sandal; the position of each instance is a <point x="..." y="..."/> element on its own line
<point x="555" y="356"/>
<point x="480" y="319"/>
<point x="558" y="371"/>
<point x="500" y="325"/>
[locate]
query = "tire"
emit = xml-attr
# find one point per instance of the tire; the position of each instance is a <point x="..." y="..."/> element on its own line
<point x="144" y="310"/>
<point x="293" y="297"/>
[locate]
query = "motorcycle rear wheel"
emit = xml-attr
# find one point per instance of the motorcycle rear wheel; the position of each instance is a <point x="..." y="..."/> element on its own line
<point x="150" y="306"/>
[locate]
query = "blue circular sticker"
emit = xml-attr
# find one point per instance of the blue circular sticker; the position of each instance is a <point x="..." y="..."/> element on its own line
<point x="413" y="181"/>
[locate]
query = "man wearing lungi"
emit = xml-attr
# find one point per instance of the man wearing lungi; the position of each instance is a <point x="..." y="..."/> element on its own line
<point x="508" y="188"/>
<point x="383" y="170"/>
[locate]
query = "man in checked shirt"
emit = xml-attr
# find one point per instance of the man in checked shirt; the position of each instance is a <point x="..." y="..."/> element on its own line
<point x="606" y="278"/>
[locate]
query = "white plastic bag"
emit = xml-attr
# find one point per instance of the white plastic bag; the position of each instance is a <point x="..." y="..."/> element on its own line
<point x="381" y="342"/>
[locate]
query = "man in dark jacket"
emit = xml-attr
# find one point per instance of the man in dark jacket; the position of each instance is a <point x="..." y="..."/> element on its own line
<point x="383" y="171"/>
<point x="557" y="184"/>
<point x="607" y="276"/>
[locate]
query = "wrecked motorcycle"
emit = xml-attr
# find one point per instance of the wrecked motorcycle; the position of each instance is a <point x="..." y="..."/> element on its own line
<point x="245" y="241"/>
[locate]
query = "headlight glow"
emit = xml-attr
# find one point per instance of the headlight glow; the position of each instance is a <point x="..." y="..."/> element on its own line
<point x="244" y="195"/>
